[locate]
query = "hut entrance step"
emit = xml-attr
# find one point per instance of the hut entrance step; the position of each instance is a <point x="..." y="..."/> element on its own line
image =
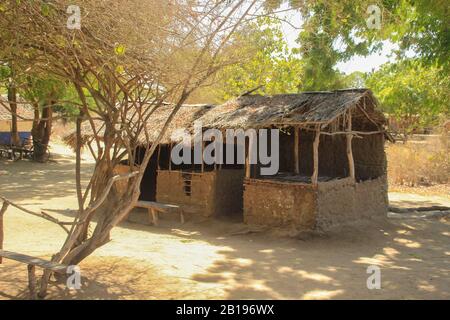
<point x="187" y="183"/>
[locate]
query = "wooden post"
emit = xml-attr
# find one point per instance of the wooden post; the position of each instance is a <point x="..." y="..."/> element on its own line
<point x="351" y="161"/>
<point x="203" y="160"/>
<point x="159" y="156"/>
<point x="32" y="281"/>
<point x="296" y="150"/>
<point x="170" y="157"/>
<point x="2" y="213"/>
<point x="315" y="176"/>
<point x="154" y="216"/>
<point x="248" y="165"/>
<point x="182" y="216"/>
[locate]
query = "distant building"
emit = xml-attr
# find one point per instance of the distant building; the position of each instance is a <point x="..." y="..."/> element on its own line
<point x="24" y="121"/>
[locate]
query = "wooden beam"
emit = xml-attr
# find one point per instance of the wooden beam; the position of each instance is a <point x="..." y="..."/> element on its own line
<point x="351" y="161"/>
<point x="297" y="150"/>
<point x="37" y="262"/>
<point x="157" y="206"/>
<point x="315" y="176"/>
<point x="2" y="213"/>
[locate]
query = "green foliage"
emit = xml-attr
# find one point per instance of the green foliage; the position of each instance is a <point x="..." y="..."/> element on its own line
<point x="332" y="32"/>
<point x="338" y="30"/>
<point x="412" y="92"/>
<point x="423" y="26"/>
<point x="44" y="89"/>
<point x="265" y="62"/>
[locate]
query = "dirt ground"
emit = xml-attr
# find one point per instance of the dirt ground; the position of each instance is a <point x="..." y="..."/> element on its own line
<point x="219" y="259"/>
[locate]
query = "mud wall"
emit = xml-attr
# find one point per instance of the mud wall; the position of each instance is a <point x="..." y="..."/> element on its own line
<point x="211" y="193"/>
<point x="170" y="189"/>
<point x="342" y="201"/>
<point x="279" y="204"/>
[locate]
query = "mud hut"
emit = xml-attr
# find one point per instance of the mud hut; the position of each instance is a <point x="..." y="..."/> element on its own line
<point x="332" y="158"/>
<point x="332" y="165"/>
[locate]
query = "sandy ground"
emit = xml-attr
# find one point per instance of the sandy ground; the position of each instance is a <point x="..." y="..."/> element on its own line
<point x="207" y="260"/>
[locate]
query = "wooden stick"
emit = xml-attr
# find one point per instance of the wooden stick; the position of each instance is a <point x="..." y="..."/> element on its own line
<point x="181" y="216"/>
<point x="203" y="162"/>
<point x="2" y="213"/>
<point x="315" y="176"/>
<point x="351" y="161"/>
<point x="353" y="133"/>
<point x="247" y="159"/>
<point x="366" y="114"/>
<point x="170" y="157"/>
<point x="158" y="157"/>
<point x="155" y="219"/>
<point x="296" y="150"/>
<point x="32" y="281"/>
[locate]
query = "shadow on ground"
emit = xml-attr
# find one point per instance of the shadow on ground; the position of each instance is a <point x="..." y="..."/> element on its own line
<point x="219" y="259"/>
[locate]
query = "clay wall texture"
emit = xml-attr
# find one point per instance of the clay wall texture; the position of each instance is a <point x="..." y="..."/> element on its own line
<point x="272" y="204"/>
<point x="212" y="193"/>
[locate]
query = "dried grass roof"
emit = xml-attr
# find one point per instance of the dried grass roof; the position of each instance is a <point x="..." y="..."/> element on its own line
<point x="256" y="111"/>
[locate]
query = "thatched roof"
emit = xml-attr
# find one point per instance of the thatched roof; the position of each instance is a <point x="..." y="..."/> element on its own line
<point x="184" y="118"/>
<point x="24" y="111"/>
<point x="256" y="111"/>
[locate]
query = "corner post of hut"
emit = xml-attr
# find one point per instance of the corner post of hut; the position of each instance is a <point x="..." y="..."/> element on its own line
<point x="315" y="176"/>
<point x="248" y="157"/>
<point x="297" y="149"/>
<point x="351" y="161"/>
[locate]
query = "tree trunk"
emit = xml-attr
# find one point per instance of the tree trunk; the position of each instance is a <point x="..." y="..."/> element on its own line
<point x="42" y="130"/>
<point x="12" y="98"/>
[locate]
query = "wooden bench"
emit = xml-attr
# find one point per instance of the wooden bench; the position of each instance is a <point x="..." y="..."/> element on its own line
<point x="32" y="263"/>
<point x="154" y="208"/>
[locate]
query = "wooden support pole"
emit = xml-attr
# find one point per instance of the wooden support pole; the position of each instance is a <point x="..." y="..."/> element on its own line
<point x="181" y="216"/>
<point x="351" y="161"/>
<point x="315" y="176"/>
<point x="203" y="160"/>
<point x="170" y="157"/>
<point x="159" y="157"/>
<point x="153" y="216"/>
<point x="2" y="213"/>
<point x="248" y="165"/>
<point x="32" y="281"/>
<point x="297" y="150"/>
